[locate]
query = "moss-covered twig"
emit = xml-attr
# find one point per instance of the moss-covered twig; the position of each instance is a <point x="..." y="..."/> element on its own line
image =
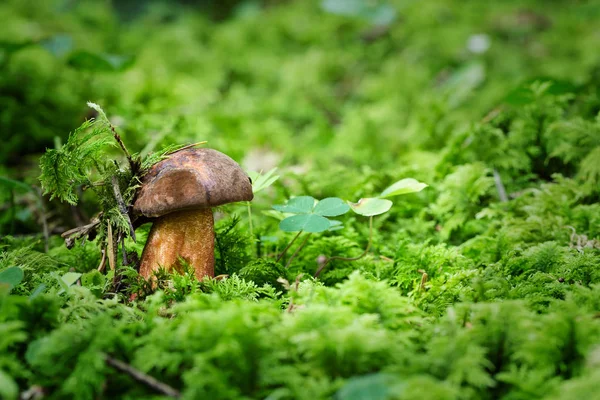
<point x="122" y="206"/>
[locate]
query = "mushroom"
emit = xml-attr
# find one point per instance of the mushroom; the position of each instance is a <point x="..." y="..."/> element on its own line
<point x="178" y="193"/>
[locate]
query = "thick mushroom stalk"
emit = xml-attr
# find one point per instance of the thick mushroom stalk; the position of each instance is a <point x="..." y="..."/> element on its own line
<point x="186" y="234"/>
<point x="178" y="194"/>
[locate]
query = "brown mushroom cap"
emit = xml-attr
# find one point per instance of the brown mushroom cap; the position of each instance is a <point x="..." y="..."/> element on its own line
<point x="191" y="179"/>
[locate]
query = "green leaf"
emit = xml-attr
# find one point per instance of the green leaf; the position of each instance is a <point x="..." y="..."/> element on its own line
<point x="94" y="281"/>
<point x="8" y="387"/>
<point x="58" y="45"/>
<point x="67" y="280"/>
<point x="331" y="207"/>
<point x="371" y="206"/>
<point x="269" y="239"/>
<point x="11" y="276"/>
<point x="463" y="82"/>
<point x="403" y="186"/>
<point x="274" y="214"/>
<point x="335" y="225"/>
<point x="374" y="12"/>
<point x="304" y="222"/>
<point x="93" y="278"/>
<point x="15" y="185"/>
<point x="261" y="182"/>
<point x="38" y="290"/>
<point x="297" y="205"/>
<point x="367" y="387"/>
<point x="12" y="47"/>
<point x="525" y="93"/>
<point x="99" y="62"/>
<point x="70" y="278"/>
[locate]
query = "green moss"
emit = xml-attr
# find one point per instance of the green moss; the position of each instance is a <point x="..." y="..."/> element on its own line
<point x="485" y="285"/>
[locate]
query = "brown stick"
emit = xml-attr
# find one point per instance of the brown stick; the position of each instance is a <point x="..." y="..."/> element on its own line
<point x="142" y="377"/>
<point x="81" y="230"/>
<point x="123" y="249"/>
<point x="103" y="261"/>
<point x="111" y="247"/>
<point x="73" y="234"/>
<point x="424" y="277"/>
<point x="320" y="269"/>
<point x="122" y="206"/>
<point x="189" y="146"/>
<point x="132" y="164"/>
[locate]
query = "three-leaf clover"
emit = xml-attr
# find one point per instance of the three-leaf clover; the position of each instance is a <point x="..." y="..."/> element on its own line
<point x="11" y="277"/>
<point x="311" y="215"/>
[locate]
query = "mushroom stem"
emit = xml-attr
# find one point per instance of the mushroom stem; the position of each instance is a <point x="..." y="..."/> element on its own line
<point x="187" y="234"/>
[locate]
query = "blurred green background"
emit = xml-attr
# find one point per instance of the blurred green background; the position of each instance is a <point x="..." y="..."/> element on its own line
<point x="335" y="86"/>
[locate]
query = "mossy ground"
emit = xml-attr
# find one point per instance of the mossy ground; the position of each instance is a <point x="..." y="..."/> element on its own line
<point x="485" y="285"/>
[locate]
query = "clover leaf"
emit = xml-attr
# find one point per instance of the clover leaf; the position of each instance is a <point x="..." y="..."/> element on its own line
<point x="11" y="277"/>
<point x="305" y="222"/>
<point x="297" y="205"/>
<point x="311" y="214"/>
<point x="331" y="207"/>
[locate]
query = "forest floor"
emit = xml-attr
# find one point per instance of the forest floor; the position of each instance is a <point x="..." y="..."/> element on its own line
<point x="471" y="272"/>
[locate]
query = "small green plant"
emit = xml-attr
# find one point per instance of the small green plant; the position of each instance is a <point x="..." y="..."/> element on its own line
<point x="309" y="216"/>
<point x="372" y="206"/>
<point x="11" y="277"/>
<point x="260" y="182"/>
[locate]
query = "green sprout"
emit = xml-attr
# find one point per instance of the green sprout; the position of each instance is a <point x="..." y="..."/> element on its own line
<point x="372" y="206"/>
<point x="260" y="182"/>
<point x="311" y="216"/>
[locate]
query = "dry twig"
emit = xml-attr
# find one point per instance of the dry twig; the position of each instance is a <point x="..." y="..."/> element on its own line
<point x="142" y="377"/>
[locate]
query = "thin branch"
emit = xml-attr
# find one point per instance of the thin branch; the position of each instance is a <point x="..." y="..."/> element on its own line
<point x="492" y="114"/>
<point x="141" y="377"/>
<point x="322" y="266"/>
<point x="288" y="247"/>
<point x="122" y="206"/>
<point x="189" y="146"/>
<point x="123" y="250"/>
<point x="117" y="137"/>
<point x="297" y="250"/>
<point x="103" y="260"/>
<point x="73" y="234"/>
<point x="81" y="230"/>
<point x="111" y="246"/>
<point x="424" y="278"/>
